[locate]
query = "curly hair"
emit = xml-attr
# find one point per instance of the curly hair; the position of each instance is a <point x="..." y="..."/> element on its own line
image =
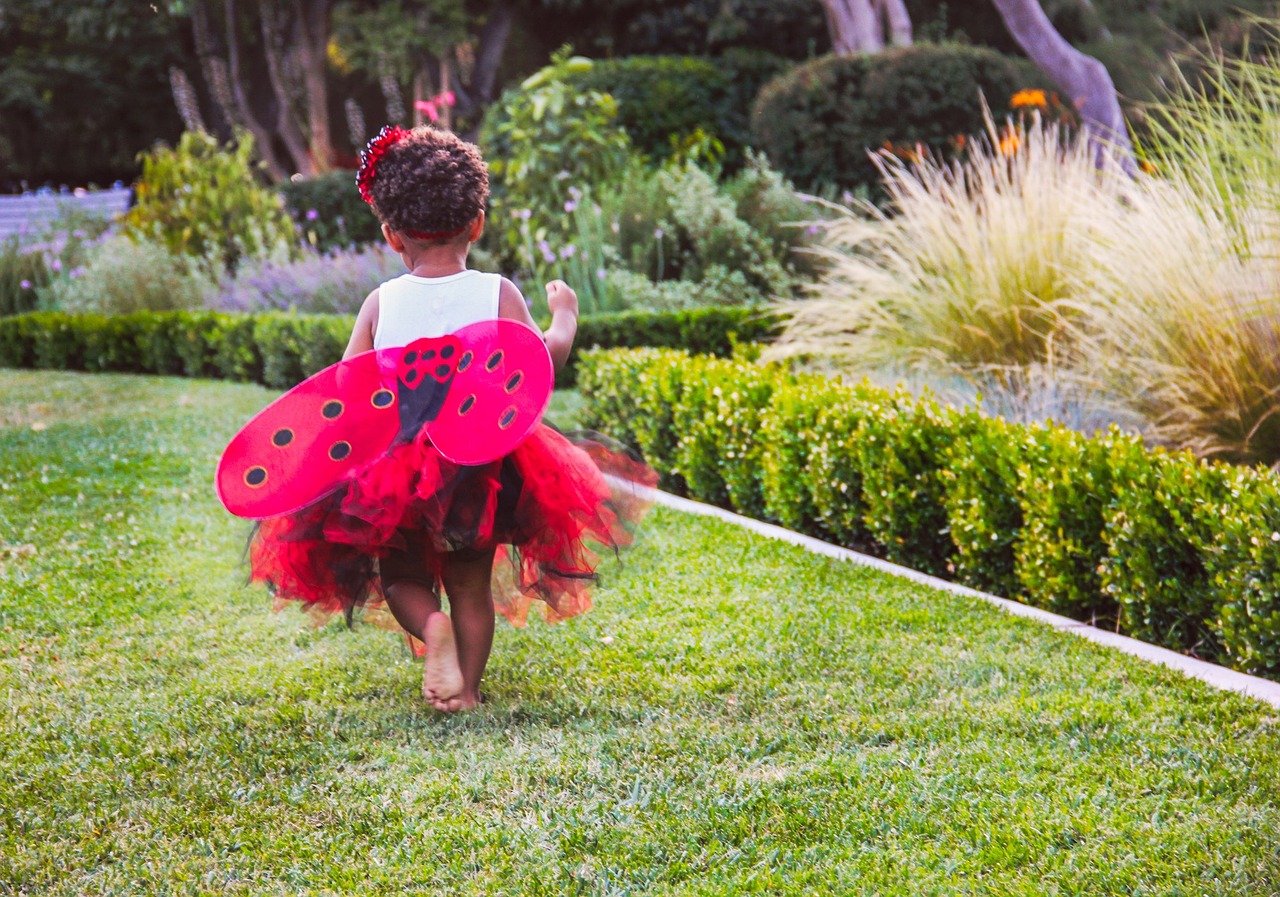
<point x="426" y="182"/>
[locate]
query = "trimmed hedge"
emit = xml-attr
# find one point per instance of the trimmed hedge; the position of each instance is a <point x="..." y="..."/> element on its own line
<point x="1161" y="546"/>
<point x="279" y="349"/>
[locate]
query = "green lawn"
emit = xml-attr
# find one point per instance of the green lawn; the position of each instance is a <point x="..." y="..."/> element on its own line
<point x="735" y="716"/>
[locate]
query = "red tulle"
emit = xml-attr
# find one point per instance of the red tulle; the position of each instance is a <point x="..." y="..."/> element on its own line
<point x="547" y="507"/>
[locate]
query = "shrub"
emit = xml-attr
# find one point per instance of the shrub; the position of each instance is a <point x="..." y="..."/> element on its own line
<point x="712" y="331"/>
<point x="1244" y="569"/>
<point x="1179" y="315"/>
<point x="984" y="513"/>
<point x="1185" y="553"/>
<point x="203" y="203"/>
<point x="328" y="212"/>
<point x="745" y="392"/>
<point x="662" y="99"/>
<point x="293" y="347"/>
<point x="786" y="436"/>
<point x="1161" y="527"/>
<point x="819" y="120"/>
<point x="833" y="472"/>
<point x="543" y="138"/>
<point x="22" y="273"/>
<point x="123" y="276"/>
<point x="901" y="454"/>
<point x="1066" y="484"/>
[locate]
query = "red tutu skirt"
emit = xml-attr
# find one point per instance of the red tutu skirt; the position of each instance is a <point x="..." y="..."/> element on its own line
<point x="547" y="507"/>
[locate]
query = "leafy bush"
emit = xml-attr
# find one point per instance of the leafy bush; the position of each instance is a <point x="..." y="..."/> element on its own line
<point x="1244" y="568"/>
<point x="122" y="276"/>
<point x="819" y="121"/>
<point x="1066" y="485"/>
<point x="1160" y="529"/>
<point x="203" y="203"/>
<point x="1181" y="552"/>
<point x="786" y="436"/>
<point x="279" y="350"/>
<point x="984" y="513"/>
<point x="663" y="99"/>
<point x="712" y="331"/>
<point x="543" y="138"/>
<point x="328" y="212"/>
<point x="901" y="452"/>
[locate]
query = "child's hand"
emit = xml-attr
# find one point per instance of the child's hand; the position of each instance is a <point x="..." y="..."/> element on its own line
<point x="561" y="297"/>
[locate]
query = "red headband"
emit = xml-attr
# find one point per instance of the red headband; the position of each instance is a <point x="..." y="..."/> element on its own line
<point x="370" y="155"/>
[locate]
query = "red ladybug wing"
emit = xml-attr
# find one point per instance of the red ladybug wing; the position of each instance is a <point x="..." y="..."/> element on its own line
<point x="502" y="384"/>
<point x="307" y="442"/>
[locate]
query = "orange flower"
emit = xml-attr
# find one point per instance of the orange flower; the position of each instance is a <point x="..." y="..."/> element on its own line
<point x="1009" y="142"/>
<point x="1028" y="97"/>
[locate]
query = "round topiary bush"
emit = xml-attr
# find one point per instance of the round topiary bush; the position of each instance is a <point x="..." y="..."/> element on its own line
<point x="819" y="121"/>
<point x="665" y="97"/>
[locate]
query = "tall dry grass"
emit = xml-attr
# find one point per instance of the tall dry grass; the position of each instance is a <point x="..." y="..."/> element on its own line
<point x="1180" y="316"/>
<point x="969" y="268"/>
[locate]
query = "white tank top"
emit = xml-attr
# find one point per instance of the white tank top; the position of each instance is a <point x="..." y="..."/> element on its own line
<point x="411" y="307"/>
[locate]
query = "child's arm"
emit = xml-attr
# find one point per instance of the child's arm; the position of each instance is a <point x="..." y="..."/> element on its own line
<point x="362" y="334"/>
<point x="562" y="301"/>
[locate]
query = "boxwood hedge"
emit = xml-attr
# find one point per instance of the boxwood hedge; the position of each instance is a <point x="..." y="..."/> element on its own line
<point x="1159" y="545"/>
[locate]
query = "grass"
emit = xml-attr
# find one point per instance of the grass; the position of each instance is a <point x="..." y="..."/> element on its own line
<point x="735" y="716"/>
<point x="970" y="267"/>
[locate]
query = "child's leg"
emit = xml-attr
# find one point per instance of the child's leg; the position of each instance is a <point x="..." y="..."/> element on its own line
<point x="467" y="579"/>
<point x="413" y="601"/>
<point x="408" y="587"/>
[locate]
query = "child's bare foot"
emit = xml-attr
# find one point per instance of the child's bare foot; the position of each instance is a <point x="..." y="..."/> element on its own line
<point x="442" y="684"/>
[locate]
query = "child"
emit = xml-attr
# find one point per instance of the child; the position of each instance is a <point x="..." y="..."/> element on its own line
<point x="414" y="523"/>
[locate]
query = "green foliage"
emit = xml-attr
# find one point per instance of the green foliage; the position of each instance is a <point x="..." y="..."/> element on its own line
<point x="710" y="331"/>
<point x="662" y="100"/>
<point x="203" y="203"/>
<point x="1182" y="553"/>
<point x="328" y="212"/>
<point x="1161" y="528"/>
<point x="83" y="88"/>
<point x="984" y="513"/>
<point x="786" y="435"/>
<point x="281" y="349"/>
<point x="22" y="273"/>
<point x="796" y="29"/>
<point x="819" y="121"/>
<point x="833" y="469"/>
<point x="901" y="451"/>
<point x="123" y="275"/>
<point x="1244" y="569"/>
<point x="543" y="138"/>
<point x="1066" y="484"/>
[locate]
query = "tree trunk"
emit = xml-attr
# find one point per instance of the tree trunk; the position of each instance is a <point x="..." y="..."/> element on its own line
<point x="235" y="80"/>
<point x="859" y="26"/>
<point x="493" y="43"/>
<point x="286" y="126"/>
<point x="1083" y="79"/>
<point x="898" y="21"/>
<point x="312" y="21"/>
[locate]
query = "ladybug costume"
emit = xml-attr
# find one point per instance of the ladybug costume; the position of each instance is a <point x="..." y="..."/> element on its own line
<point x="418" y="450"/>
